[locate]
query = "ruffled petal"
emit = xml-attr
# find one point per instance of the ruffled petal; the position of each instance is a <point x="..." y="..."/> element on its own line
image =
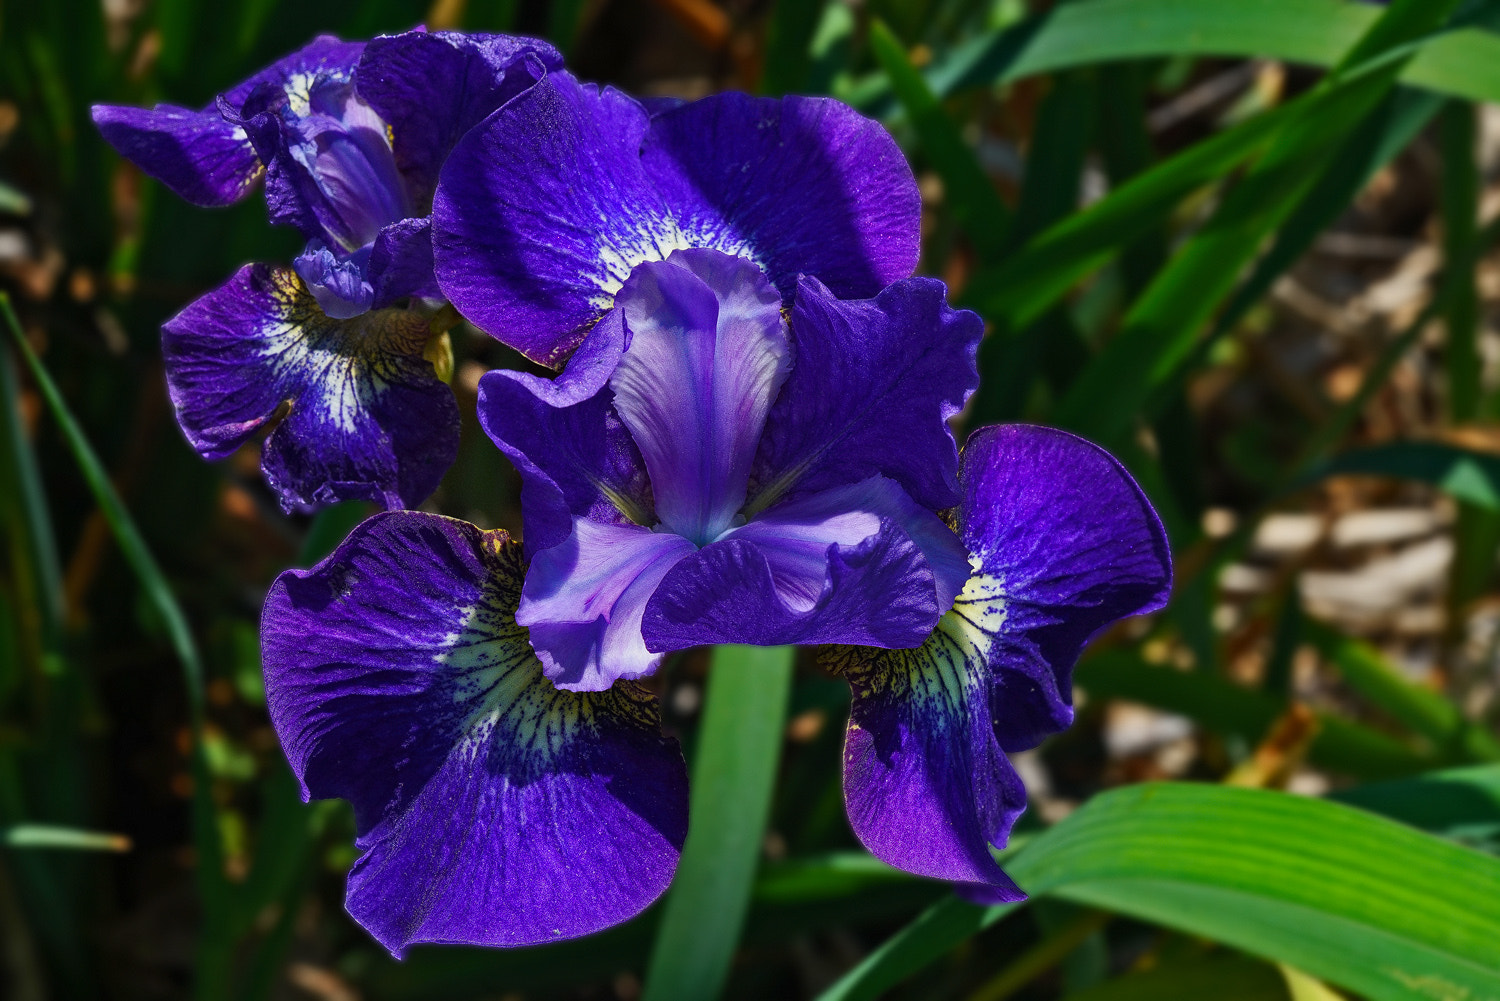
<point x="707" y="353"/>
<point x="583" y="602"/>
<point x="295" y="73"/>
<point x="927" y="786"/>
<point x="1066" y="543"/>
<point x="804" y="185"/>
<point x="875" y="384"/>
<point x="432" y="87"/>
<point x="856" y="564"/>
<point x="401" y="262"/>
<point x="368" y="417"/>
<point x="197" y="154"/>
<point x="542" y="211"/>
<point x="339" y="283"/>
<point x="1063" y="543"/>
<point x="575" y="457"/>
<point x="493" y="809"/>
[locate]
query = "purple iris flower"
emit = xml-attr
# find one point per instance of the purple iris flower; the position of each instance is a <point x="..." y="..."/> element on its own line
<point x="349" y="138"/>
<point x="493" y="808"/>
<point x="1061" y="543"/>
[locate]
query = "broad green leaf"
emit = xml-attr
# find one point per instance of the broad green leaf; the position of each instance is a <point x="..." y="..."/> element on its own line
<point x="1362" y="902"/>
<point x="1458" y="803"/>
<point x="1309" y="883"/>
<point x="1464" y="62"/>
<point x="734" y="768"/>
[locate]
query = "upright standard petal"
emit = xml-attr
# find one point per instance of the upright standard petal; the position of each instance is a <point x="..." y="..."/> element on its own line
<point x="367" y="419"/>
<point x="493" y="809"/>
<point x="542" y="211"/>
<point x="197" y="154"/>
<point x="707" y="354"/>
<point x="544" y="208"/>
<point x="584" y="599"/>
<point x="432" y="87"/>
<point x="804" y="185"/>
<point x="856" y="564"/>
<point x="1063" y="543"/>
<point x="875" y="384"/>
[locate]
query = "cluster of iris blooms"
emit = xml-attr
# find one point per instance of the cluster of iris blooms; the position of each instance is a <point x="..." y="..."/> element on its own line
<point x="747" y="441"/>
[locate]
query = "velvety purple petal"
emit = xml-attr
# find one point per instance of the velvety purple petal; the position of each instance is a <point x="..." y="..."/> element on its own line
<point x="330" y="169"/>
<point x="367" y="419"/>
<point x="401" y="262"/>
<point x="873" y="388"/>
<point x="197" y="154"/>
<point x="1067" y="544"/>
<point x="493" y="809"/>
<point x="543" y="210"/>
<point x="707" y="353"/>
<point x="583" y="602"/>
<point x="295" y="73"/>
<point x="432" y="87"/>
<point x="338" y="282"/>
<point x="801" y="184"/>
<point x="857" y="564"/>
<point x="927" y="786"/>
<point x="575" y="457"/>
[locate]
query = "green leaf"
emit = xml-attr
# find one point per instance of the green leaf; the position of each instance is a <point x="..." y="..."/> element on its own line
<point x="1232" y="711"/>
<point x="972" y="199"/>
<point x="1458" y="803"/>
<point x="53" y="836"/>
<point x="214" y="950"/>
<point x="734" y="770"/>
<point x="1423" y="710"/>
<point x="1464" y="473"/>
<point x="1359" y="901"/>
<point x="1463" y="62"/>
<point x="789" y="37"/>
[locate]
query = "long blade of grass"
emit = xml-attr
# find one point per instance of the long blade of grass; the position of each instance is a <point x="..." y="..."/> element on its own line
<point x="734" y="770"/>
<point x="213" y="958"/>
<point x="69" y="838"/>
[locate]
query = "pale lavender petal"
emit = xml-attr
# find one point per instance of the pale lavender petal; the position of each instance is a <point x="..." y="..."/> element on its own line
<point x="874" y="386"/>
<point x="804" y="185"/>
<point x="927" y="786"/>
<point x="584" y="599"/>
<point x="1066" y="544"/>
<point x="368" y="418"/>
<point x="856" y="564"/>
<point x="707" y="353"/>
<point x="575" y="457"/>
<point x="493" y="809"/>
<point x="197" y="154"/>
<point x="543" y="210"/>
<point x="432" y="87"/>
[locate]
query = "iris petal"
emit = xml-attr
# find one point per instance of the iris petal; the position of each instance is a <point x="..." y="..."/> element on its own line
<point x="368" y="417"/>
<point x="875" y="384"/>
<point x="584" y="600"/>
<point x="1063" y="543"/>
<point x="197" y="154"/>
<point x="708" y="352"/>
<point x="493" y="809"/>
<point x="855" y="564"/>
